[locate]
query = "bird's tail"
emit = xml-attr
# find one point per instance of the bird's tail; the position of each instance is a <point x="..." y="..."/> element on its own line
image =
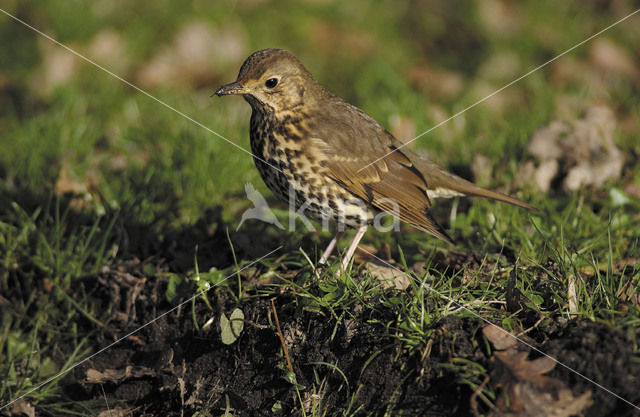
<point x="495" y="195"/>
<point x="444" y="181"/>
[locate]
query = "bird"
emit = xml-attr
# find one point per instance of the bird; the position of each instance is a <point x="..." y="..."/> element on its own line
<point x="332" y="158"/>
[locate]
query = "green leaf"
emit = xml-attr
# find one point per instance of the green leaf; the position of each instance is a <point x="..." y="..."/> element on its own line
<point x="535" y="298"/>
<point x="173" y="287"/>
<point x="618" y="197"/>
<point x="277" y="408"/>
<point x="230" y="329"/>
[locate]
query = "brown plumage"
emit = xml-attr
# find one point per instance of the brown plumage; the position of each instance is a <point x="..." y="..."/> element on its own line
<point x="312" y="145"/>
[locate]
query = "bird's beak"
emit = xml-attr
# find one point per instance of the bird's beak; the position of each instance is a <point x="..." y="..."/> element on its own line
<point x="231" y="88"/>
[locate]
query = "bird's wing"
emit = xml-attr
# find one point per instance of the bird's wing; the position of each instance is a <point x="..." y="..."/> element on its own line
<point x="351" y="140"/>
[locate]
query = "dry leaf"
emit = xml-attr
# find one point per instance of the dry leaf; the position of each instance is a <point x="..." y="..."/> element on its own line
<point x="524" y="390"/>
<point x="538" y="404"/>
<point x="501" y="67"/>
<point x="584" y="149"/>
<point x="58" y="67"/>
<point x="500" y="338"/>
<point x="499" y="17"/>
<point x="67" y="184"/>
<point x="633" y="190"/>
<point x="108" y="48"/>
<point x="116" y="412"/>
<point x="545" y="173"/>
<point x="571" y="294"/>
<point x="366" y="253"/>
<point x="402" y="128"/>
<point x="439" y="83"/>
<point x="389" y="277"/>
<point x="630" y="292"/>
<point x="482" y="170"/>
<point x="576" y="72"/>
<point x="446" y="131"/>
<point x="608" y="56"/>
<point x="198" y="54"/>
<point x="22" y="408"/>
<point x="118" y="375"/>
<point x="509" y="99"/>
<point x="81" y="198"/>
<point x="380" y="265"/>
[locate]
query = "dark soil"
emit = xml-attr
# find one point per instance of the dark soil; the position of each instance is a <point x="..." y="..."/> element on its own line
<point x="177" y="369"/>
<point x="346" y="363"/>
<point x="193" y="370"/>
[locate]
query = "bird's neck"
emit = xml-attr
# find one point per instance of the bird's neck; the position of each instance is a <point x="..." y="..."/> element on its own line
<point x="258" y="106"/>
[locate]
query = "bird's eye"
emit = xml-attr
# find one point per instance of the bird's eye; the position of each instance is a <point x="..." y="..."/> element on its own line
<point x="271" y="82"/>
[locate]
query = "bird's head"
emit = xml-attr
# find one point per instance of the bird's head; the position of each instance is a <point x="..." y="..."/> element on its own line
<point x="271" y="80"/>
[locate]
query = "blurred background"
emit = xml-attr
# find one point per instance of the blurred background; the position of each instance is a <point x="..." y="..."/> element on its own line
<point x="68" y="128"/>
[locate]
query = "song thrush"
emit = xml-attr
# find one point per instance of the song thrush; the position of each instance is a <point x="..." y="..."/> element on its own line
<point x="311" y="145"/>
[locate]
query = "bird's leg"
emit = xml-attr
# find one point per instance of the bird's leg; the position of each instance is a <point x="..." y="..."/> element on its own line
<point x="330" y="247"/>
<point x="352" y="248"/>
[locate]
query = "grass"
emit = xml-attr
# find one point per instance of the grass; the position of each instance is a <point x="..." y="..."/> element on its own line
<point x="94" y="174"/>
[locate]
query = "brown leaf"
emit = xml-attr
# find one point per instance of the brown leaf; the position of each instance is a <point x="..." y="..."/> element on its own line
<point x="198" y="54"/>
<point x="403" y="128"/>
<point x="584" y="149"/>
<point x="67" y="184"/>
<point x="524" y="390"/>
<point x="380" y="265"/>
<point x="500" y="67"/>
<point x="630" y="292"/>
<point x="507" y="100"/>
<point x="482" y="170"/>
<point x="541" y="404"/>
<point x="571" y="294"/>
<point x="446" y="131"/>
<point x="22" y="408"/>
<point x="366" y="253"/>
<point x="501" y="339"/>
<point x="58" y="67"/>
<point x="524" y="369"/>
<point x="116" y="412"/>
<point x="389" y="277"/>
<point x="498" y="17"/>
<point x="437" y="82"/>
<point x="610" y="57"/>
<point x="633" y="190"/>
<point x="117" y="375"/>
<point x="545" y="143"/>
<point x="108" y="48"/>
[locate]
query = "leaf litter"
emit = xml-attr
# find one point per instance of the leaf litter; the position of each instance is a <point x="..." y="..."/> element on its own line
<point x="524" y="389"/>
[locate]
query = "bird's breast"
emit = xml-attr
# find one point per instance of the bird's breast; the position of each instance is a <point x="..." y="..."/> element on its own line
<point x="282" y="153"/>
<point x="297" y="171"/>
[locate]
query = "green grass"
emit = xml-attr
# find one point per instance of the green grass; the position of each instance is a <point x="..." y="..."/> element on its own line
<point x="143" y="173"/>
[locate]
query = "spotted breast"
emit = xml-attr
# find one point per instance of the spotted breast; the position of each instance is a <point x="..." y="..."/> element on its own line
<point x="295" y="169"/>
